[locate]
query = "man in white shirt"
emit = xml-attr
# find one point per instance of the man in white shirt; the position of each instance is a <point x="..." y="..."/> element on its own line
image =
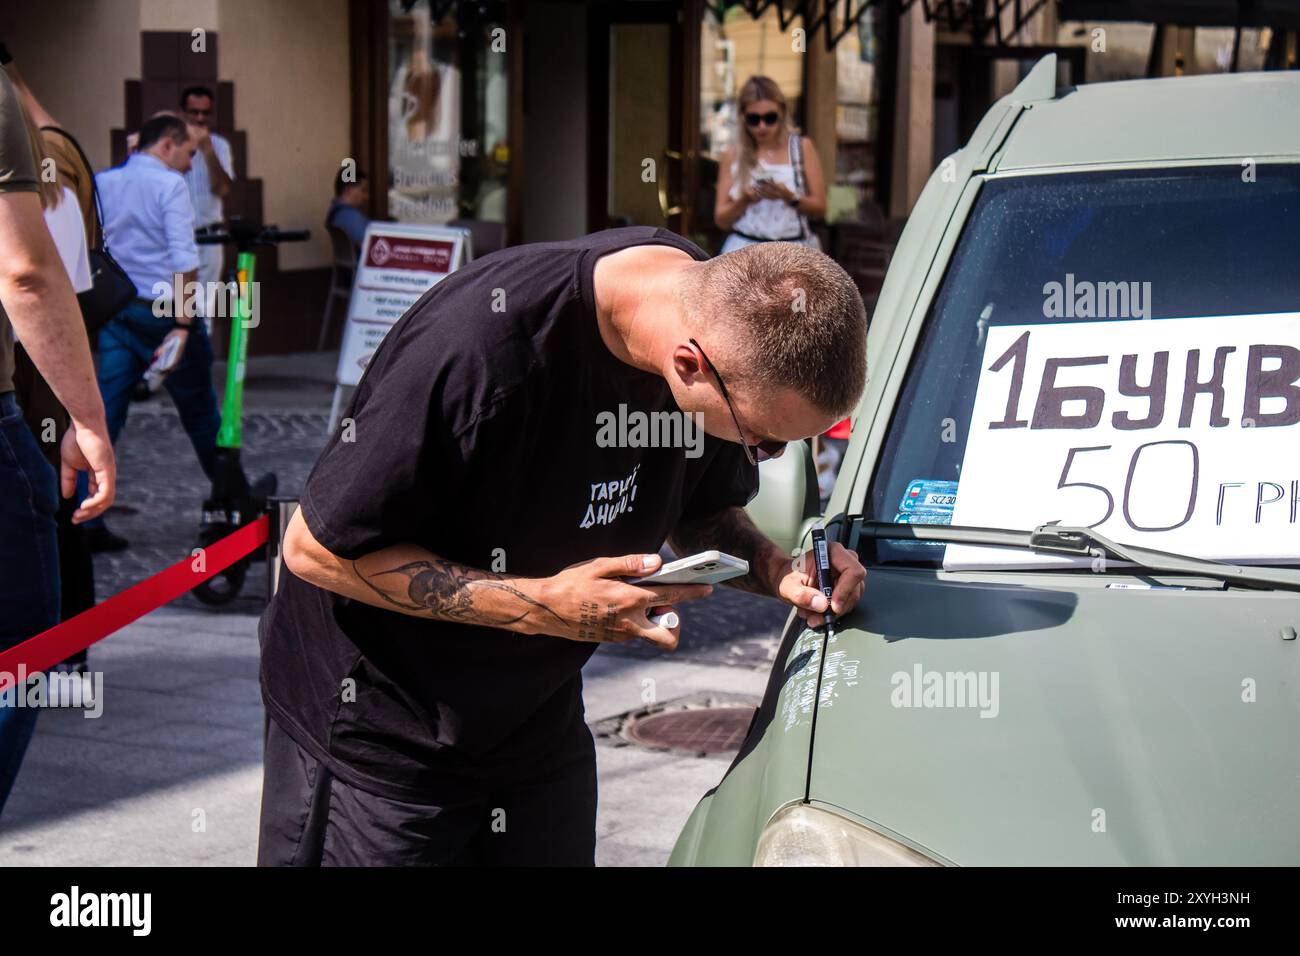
<point x="209" y="178"/>
<point x="149" y="229"/>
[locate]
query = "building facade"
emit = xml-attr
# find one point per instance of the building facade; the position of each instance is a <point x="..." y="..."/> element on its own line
<point x="532" y="120"/>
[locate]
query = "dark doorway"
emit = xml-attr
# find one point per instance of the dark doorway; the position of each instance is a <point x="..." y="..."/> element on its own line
<point x="643" y="79"/>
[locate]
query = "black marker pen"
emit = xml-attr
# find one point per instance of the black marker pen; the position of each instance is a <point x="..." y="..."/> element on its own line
<point x="822" y="557"/>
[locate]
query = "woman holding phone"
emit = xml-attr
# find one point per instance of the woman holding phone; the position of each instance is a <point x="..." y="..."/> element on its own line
<point x="770" y="182"/>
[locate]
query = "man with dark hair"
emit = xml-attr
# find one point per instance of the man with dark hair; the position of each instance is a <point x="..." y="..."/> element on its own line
<point x="425" y="709"/>
<point x="149" y="228"/>
<point x="170" y="127"/>
<point x="351" y="197"/>
<point x="209" y="181"/>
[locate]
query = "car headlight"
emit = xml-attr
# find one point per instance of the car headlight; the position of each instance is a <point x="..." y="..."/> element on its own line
<point x="801" y="835"/>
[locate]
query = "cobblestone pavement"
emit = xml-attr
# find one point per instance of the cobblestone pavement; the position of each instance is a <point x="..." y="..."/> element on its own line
<point x="161" y="488"/>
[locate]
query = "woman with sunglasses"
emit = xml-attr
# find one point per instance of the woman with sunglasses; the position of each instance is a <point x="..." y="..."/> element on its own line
<point x="770" y="182"/>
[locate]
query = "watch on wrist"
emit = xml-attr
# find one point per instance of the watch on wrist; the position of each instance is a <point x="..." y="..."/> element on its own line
<point x="794" y="202"/>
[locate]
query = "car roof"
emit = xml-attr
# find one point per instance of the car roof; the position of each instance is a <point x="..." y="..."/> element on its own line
<point x="1229" y="115"/>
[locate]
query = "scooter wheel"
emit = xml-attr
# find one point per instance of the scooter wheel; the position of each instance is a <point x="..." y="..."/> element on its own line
<point x="223" y="587"/>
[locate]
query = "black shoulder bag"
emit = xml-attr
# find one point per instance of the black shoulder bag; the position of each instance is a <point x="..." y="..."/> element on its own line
<point x="112" y="288"/>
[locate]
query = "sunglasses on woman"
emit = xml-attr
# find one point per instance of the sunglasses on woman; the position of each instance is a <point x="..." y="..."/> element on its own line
<point x="767" y="119"/>
<point x="755" y="453"/>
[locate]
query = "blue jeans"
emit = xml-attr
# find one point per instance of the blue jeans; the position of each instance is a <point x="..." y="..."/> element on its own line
<point x="29" y="567"/>
<point x="126" y="347"/>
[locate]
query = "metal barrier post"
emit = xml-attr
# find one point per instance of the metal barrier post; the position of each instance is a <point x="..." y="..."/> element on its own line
<point x="279" y="510"/>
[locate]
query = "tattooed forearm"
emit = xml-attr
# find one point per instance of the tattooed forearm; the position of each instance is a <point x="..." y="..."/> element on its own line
<point x="731" y="531"/>
<point x="447" y="591"/>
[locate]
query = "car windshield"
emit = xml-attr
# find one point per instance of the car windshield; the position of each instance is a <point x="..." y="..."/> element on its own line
<point x="1117" y="350"/>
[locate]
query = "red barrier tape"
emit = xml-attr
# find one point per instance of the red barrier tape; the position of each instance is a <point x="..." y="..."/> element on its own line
<point x="65" y="639"/>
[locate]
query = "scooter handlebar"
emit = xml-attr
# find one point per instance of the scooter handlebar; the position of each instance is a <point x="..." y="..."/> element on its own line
<point x="289" y="235"/>
<point x="245" y="237"/>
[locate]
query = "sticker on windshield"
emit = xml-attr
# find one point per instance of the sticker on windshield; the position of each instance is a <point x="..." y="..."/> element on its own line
<point x="925" y="501"/>
<point x="924" y="516"/>
<point x="1172" y="434"/>
<point x="925" y="495"/>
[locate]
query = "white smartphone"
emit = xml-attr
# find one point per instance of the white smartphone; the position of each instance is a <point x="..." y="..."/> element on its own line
<point x="707" y="567"/>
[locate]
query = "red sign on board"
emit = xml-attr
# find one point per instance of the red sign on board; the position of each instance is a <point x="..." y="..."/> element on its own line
<point x="418" y="255"/>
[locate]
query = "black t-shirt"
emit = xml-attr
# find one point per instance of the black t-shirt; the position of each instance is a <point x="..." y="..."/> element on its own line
<point x="475" y="429"/>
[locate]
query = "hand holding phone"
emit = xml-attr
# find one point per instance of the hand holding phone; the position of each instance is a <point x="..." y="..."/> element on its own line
<point x="707" y="567"/>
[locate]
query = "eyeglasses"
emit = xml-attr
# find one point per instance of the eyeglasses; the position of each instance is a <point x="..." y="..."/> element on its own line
<point x="767" y="119"/>
<point x="765" y="449"/>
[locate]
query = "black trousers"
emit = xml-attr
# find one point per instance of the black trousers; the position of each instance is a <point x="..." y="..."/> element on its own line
<point x="311" y="818"/>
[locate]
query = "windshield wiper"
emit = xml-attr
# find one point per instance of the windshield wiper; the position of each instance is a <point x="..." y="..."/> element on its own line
<point x="1084" y="543"/>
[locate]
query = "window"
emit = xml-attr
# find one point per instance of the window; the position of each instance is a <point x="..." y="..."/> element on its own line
<point x="1199" y="242"/>
<point x="448" y="152"/>
<point x="731" y="51"/>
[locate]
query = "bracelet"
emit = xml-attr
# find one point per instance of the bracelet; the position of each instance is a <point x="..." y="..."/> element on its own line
<point x="187" y="326"/>
<point x="794" y="203"/>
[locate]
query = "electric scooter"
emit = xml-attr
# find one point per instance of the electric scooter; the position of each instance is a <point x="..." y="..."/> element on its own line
<point x="232" y="502"/>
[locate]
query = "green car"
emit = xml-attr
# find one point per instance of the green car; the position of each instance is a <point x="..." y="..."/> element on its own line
<point x="1074" y="481"/>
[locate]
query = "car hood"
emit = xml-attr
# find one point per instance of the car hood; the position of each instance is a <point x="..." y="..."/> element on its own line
<point x="1053" y="719"/>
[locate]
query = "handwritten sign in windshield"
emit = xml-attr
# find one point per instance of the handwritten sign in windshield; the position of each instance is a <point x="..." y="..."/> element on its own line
<point x="1176" y="434"/>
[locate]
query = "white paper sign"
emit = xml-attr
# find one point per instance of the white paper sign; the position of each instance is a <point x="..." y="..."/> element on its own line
<point x="1175" y="434"/>
<point x="399" y="263"/>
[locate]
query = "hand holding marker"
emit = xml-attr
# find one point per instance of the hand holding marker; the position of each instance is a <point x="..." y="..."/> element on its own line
<point x="822" y="559"/>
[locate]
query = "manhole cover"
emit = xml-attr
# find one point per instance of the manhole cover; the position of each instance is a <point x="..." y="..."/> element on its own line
<point x="697" y="730"/>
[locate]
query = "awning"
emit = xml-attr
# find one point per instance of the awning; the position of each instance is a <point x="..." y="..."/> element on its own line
<point x="980" y="18"/>
<point x="832" y="18"/>
<point x="835" y="18"/>
<point x="1279" y="14"/>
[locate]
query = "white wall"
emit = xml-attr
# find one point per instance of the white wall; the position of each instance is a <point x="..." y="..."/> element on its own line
<point x="289" y="64"/>
<point x="76" y="55"/>
<point x="288" y="60"/>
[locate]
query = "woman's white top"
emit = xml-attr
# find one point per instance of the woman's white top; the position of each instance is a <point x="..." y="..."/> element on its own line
<point x="769" y="218"/>
<point x="69" y="232"/>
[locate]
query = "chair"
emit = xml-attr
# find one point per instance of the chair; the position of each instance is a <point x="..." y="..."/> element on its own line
<point x="342" y="269"/>
<point x="486" y="236"/>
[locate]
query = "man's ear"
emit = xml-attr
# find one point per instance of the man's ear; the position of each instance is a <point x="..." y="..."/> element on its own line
<point x="686" y="363"/>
